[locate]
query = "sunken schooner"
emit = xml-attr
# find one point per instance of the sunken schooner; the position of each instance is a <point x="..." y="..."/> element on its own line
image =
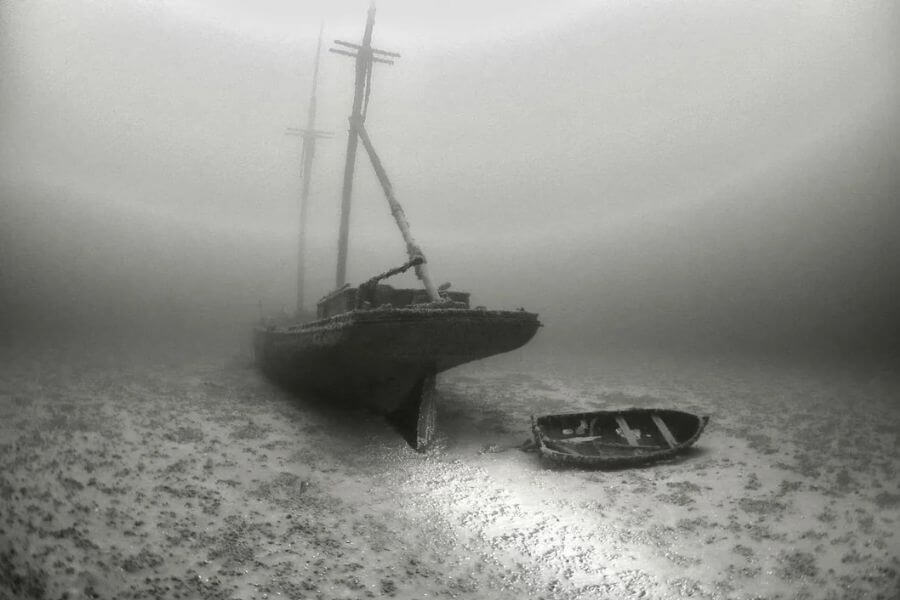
<point x="375" y="345"/>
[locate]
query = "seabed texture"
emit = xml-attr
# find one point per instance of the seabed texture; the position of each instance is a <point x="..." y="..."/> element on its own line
<point x="168" y="476"/>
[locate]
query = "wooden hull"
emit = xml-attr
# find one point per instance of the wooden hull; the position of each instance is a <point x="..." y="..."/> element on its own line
<point x="616" y="439"/>
<point x="380" y="357"/>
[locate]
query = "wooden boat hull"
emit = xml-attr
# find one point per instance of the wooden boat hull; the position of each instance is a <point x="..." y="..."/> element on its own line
<point x="380" y="357"/>
<point x="616" y="439"/>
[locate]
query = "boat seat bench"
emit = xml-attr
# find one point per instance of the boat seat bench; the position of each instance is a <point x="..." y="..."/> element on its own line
<point x="664" y="430"/>
<point x="626" y="431"/>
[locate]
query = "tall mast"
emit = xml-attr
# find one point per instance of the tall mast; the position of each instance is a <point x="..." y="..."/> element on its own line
<point x="363" y="68"/>
<point x="309" y="135"/>
<point x="365" y="55"/>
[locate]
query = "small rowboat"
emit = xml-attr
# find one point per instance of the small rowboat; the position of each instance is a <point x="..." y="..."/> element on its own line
<point x="616" y="438"/>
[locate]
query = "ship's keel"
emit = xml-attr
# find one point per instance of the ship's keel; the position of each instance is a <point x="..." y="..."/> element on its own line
<point x="416" y="419"/>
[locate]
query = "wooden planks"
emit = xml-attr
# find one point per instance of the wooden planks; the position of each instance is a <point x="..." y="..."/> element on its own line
<point x="664" y="430"/>
<point x="626" y="431"/>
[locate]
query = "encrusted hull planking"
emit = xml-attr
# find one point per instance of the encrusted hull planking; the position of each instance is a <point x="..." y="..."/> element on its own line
<point x="377" y="357"/>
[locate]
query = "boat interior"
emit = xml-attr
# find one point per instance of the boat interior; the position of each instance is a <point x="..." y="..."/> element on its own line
<point x="651" y="429"/>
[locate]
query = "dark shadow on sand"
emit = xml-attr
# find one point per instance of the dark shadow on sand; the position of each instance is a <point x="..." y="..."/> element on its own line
<point x="346" y="420"/>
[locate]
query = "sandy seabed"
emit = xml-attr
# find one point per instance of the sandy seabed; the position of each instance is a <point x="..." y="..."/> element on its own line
<point x="188" y="475"/>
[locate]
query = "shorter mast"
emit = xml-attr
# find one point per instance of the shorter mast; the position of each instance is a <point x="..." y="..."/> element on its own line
<point x="365" y="55"/>
<point x="309" y="135"/>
